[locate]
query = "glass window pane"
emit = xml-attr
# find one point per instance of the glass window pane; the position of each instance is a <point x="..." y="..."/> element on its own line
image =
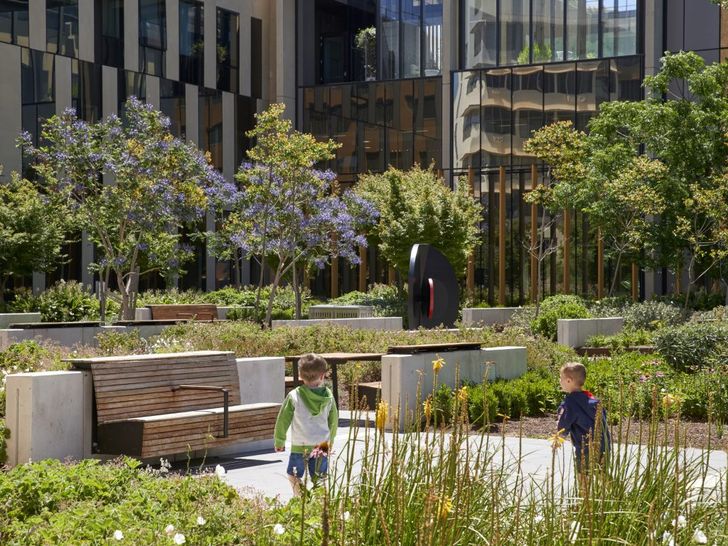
<point x="480" y="33"/>
<point x="432" y="37"/>
<point x="514" y="43"/>
<point x="228" y="49"/>
<point x="548" y="31"/>
<point x="582" y="29"/>
<point x="466" y="119"/>
<point x="389" y="13"/>
<point x="191" y="42"/>
<point x="626" y="79"/>
<point x="559" y="87"/>
<point x="619" y="27"/>
<point x="496" y="117"/>
<point x="62" y="27"/>
<point x="14" y="21"/>
<point x="592" y="88"/>
<point x="527" y="109"/>
<point x="172" y="103"/>
<point x="112" y="33"/>
<point x="410" y="45"/>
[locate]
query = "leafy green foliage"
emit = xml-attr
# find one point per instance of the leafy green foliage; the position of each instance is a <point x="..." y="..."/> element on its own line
<point x="386" y="300"/>
<point x="651" y="315"/>
<point x="4" y="435"/>
<point x="558" y="307"/>
<point x="63" y="302"/>
<point x="628" y="338"/>
<point x="43" y="503"/>
<point x="693" y="345"/>
<point x="416" y="206"/>
<point x="32" y="230"/>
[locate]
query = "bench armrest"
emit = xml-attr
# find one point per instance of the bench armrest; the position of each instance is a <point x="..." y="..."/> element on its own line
<point x="225" y="398"/>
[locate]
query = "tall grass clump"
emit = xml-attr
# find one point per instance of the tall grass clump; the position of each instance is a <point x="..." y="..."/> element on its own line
<point x="442" y="486"/>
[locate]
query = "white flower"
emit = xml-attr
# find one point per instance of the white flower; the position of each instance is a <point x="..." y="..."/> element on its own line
<point x="118" y="535"/>
<point x="347" y="515"/>
<point x="201" y="520"/>
<point x="538" y="518"/>
<point x="278" y="529"/>
<point x="680" y="522"/>
<point x="220" y="471"/>
<point x="699" y="537"/>
<point x="667" y="538"/>
<point x="169" y="529"/>
<point x="179" y="538"/>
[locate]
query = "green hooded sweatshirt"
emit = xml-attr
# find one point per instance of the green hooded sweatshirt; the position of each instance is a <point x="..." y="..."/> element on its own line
<point x="316" y="422"/>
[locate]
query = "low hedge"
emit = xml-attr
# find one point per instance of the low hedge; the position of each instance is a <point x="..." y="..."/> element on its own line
<point x="554" y="308"/>
<point x="693" y="345"/>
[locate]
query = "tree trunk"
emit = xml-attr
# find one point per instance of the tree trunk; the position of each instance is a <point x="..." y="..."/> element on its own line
<point x="274" y="286"/>
<point x="125" y="296"/>
<point x="297" y="291"/>
<point x="616" y="274"/>
<point x="260" y="287"/>
<point x="539" y="259"/>
<point x="3" y="282"/>
<point x="691" y="280"/>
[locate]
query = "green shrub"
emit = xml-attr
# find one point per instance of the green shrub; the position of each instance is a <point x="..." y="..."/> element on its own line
<point x="128" y="343"/>
<point x="442" y="401"/>
<point x="554" y="308"/>
<point x="44" y="502"/>
<point x="65" y="301"/>
<point x="609" y="307"/>
<point x="719" y="313"/>
<point x="651" y="315"/>
<point x="482" y="406"/>
<point x="4" y="435"/>
<point x="622" y="340"/>
<point x="385" y="299"/>
<point x="692" y="345"/>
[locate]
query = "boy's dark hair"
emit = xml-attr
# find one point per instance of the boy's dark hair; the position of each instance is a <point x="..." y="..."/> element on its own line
<point x="312" y="366"/>
<point x="576" y="371"/>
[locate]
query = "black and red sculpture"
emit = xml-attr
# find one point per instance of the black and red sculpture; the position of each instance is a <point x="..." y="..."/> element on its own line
<point x="433" y="289"/>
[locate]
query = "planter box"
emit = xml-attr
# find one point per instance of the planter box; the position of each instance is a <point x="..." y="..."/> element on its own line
<point x="404" y="374"/>
<point x="575" y="332"/>
<point x="6" y="319"/>
<point x="373" y="323"/>
<point x="486" y="316"/>
<point x="340" y="311"/>
<point x="607" y="351"/>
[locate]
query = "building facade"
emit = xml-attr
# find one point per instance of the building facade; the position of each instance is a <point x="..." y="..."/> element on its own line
<point x="457" y="84"/>
<point x="463" y="83"/>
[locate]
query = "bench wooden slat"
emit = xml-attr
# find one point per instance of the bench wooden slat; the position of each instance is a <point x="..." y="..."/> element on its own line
<point x="197" y="311"/>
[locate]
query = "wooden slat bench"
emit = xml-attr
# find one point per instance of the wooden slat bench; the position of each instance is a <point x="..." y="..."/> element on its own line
<point x="197" y="311"/>
<point x="162" y="404"/>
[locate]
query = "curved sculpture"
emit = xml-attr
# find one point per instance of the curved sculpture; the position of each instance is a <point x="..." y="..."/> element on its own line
<point x="433" y="289"/>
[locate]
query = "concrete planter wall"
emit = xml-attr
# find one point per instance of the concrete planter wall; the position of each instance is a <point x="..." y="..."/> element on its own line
<point x="486" y="316"/>
<point x="340" y="311"/>
<point x="50" y="414"/>
<point x="374" y="323"/>
<point x="6" y="319"/>
<point x="69" y="336"/>
<point x="403" y="374"/>
<point x="575" y="332"/>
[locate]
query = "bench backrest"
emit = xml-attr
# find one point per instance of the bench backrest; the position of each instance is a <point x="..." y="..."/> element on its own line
<point x="193" y="311"/>
<point x="140" y="385"/>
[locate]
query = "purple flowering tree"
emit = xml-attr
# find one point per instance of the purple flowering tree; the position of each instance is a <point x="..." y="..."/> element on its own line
<point x="287" y="211"/>
<point x="156" y="185"/>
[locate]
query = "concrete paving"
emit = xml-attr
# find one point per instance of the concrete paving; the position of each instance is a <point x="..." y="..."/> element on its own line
<point x="264" y="473"/>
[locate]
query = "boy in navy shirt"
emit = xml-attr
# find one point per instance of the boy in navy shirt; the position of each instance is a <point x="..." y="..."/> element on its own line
<point x="578" y="414"/>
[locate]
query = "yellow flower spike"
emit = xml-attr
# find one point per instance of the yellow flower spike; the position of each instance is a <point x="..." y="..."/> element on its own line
<point x="557" y="439"/>
<point x="445" y="507"/>
<point x="381" y="417"/>
<point x="438" y="364"/>
<point x="463" y="394"/>
<point x="427" y="408"/>
<point x="668" y="401"/>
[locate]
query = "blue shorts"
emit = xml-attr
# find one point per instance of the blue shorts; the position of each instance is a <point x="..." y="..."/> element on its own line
<point x="316" y="467"/>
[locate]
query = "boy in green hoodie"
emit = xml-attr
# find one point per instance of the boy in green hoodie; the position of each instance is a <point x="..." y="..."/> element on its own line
<point x="311" y="414"/>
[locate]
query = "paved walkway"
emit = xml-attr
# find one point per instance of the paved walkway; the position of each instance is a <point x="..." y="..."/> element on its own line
<point x="265" y="473"/>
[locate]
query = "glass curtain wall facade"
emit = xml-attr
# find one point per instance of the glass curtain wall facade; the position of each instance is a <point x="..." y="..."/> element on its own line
<point x="62" y="27"/>
<point x="110" y="40"/>
<point x="514" y="32"/>
<point x="152" y="36"/>
<point x="495" y="111"/>
<point x="228" y="50"/>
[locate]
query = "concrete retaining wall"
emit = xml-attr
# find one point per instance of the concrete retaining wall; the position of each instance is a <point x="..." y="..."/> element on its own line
<point x="485" y="316"/>
<point x="50" y="414"/>
<point x="575" y="332"/>
<point x="402" y="375"/>
<point x="71" y="336"/>
<point x="6" y="319"/>
<point x="340" y="311"/>
<point x="374" y="323"/>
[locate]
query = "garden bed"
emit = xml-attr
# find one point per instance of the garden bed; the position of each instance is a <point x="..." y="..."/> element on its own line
<point x="607" y="351"/>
